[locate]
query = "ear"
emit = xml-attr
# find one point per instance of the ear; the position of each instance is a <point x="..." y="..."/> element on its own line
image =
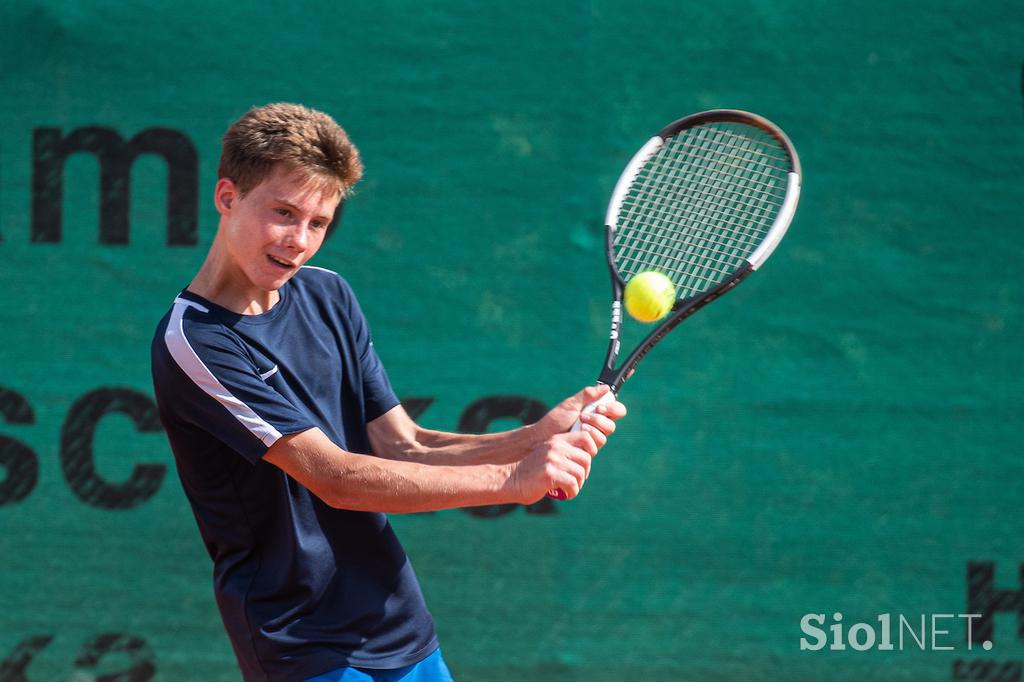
<point x="225" y="194"/>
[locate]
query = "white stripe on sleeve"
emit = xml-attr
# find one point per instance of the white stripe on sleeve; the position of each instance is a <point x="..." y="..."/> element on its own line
<point x="183" y="353"/>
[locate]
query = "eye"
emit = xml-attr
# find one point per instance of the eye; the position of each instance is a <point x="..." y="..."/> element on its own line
<point x="317" y="224"/>
<point x="283" y="212"/>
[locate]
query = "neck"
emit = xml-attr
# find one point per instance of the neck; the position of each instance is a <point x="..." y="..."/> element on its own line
<point x="222" y="282"/>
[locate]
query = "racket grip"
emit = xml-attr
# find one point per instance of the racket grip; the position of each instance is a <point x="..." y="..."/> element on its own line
<point x="557" y="493"/>
<point x="606" y="398"/>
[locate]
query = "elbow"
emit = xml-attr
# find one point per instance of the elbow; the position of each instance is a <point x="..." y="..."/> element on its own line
<point x="340" y="497"/>
<point x="346" y="497"/>
<point x="334" y="501"/>
<point x="345" y="503"/>
<point x="335" y="490"/>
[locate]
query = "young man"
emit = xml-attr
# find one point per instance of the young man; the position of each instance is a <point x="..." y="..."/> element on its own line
<point x="290" y="442"/>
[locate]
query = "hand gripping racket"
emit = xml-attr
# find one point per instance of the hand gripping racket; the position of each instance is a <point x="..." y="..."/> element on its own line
<point x="704" y="202"/>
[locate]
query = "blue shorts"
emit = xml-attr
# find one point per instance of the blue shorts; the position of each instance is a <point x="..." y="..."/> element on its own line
<point x="430" y="669"/>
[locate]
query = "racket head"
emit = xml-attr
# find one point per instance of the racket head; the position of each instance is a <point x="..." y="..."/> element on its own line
<point x="704" y="202"/>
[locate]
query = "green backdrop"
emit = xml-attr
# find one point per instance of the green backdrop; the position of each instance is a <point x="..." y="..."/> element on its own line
<point x="838" y="435"/>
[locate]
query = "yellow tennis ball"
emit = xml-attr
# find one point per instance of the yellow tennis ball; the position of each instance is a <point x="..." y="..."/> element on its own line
<point x="649" y="296"/>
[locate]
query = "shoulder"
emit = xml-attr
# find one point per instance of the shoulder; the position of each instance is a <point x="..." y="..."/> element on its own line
<point x="312" y="276"/>
<point x="191" y="330"/>
<point x="194" y="319"/>
<point x="316" y="282"/>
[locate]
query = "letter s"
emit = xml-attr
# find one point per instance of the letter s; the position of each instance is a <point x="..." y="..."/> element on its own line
<point x="817" y="633"/>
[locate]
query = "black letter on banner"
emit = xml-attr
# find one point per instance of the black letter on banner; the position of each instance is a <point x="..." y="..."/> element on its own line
<point x="478" y="417"/>
<point x="988" y="671"/>
<point x="135" y="651"/>
<point x="415" y="407"/>
<point x="12" y="668"/>
<point x="18" y="459"/>
<point x="116" y="157"/>
<point x="984" y="598"/>
<point x="76" y="453"/>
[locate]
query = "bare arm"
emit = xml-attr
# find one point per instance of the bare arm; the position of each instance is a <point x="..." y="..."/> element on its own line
<point x="364" y="483"/>
<point x="394" y="435"/>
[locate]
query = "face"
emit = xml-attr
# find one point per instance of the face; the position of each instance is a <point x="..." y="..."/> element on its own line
<point x="269" y="233"/>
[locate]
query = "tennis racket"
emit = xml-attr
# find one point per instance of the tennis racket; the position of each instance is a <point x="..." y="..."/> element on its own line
<point x="704" y="202"/>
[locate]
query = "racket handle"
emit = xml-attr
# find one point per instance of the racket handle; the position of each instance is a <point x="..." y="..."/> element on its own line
<point x="558" y="493"/>
<point x="606" y="398"/>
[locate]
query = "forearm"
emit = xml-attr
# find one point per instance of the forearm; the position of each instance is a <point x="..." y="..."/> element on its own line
<point x="374" y="484"/>
<point x="440" y="448"/>
<point x="364" y="483"/>
<point x="394" y="435"/>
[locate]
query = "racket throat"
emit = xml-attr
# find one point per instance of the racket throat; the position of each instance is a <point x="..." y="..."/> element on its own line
<point x="608" y="371"/>
<point x="607" y="378"/>
<point x="615" y="377"/>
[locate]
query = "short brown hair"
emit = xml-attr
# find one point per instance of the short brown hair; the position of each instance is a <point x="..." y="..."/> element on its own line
<point x="303" y="139"/>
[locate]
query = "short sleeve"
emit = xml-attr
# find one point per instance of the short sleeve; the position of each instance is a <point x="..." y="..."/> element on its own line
<point x="378" y="395"/>
<point x="204" y="377"/>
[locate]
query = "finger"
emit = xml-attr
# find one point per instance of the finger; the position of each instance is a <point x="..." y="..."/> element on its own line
<point x="583" y="440"/>
<point x="599" y="423"/>
<point x="586" y="464"/>
<point x="579" y="458"/>
<point x="567" y="484"/>
<point x="613" y="409"/>
<point x="600" y="439"/>
<point x="592" y="393"/>
<point x="578" y="469"/>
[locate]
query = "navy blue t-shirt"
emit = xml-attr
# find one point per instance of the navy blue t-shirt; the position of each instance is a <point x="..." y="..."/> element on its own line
<point x="302" y="588"/>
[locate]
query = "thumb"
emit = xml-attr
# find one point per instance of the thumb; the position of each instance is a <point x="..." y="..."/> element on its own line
<point x="591" y="393"/>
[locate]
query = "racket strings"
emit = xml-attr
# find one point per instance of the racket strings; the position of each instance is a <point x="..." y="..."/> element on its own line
<point x="702" y="207"/>
<point x="695" y="217"/>
<point x="702" y="203"/>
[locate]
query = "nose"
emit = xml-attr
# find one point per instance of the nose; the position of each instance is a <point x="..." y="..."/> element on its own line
<point x="297" y="238"/>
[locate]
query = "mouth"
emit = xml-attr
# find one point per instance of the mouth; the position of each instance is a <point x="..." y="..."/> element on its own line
<point x="280" y="263"/>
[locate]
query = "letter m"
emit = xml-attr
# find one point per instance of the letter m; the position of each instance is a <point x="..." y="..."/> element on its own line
<point x="51" y="149"/>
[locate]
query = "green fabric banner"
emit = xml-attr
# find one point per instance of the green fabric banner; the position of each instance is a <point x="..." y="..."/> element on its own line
<point x="838" y="436"/>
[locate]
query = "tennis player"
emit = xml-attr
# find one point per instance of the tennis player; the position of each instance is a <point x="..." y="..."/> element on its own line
<point x="290" y="442"/>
